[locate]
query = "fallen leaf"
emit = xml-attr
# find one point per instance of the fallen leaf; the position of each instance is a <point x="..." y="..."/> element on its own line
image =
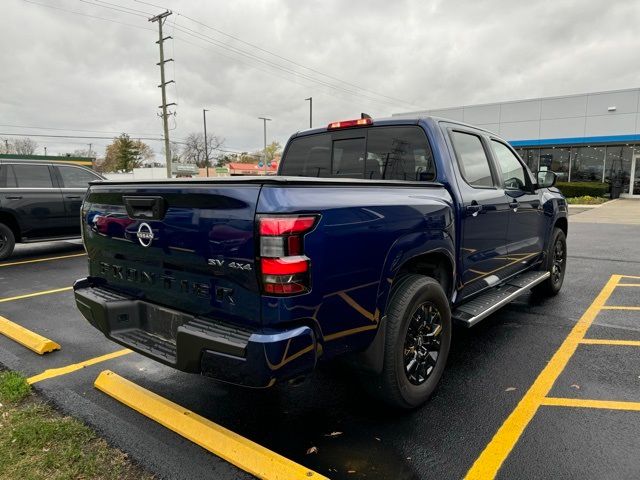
<point x="45" y="449"/>
<point x="312" y="450"/>
<point x="576" y="386"/>
<point x="333" y="434"/>
<point x="377" y="438"/>
<point x="510" y="389"/>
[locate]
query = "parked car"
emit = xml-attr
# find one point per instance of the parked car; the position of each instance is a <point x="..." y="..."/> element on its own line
<point x="372" y="238"/>
<point x="40" y="201"/>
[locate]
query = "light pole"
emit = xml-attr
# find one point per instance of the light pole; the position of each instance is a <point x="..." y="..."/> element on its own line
<point x="45" y="151"/>
<point x="206" y="149"/>
<point x="264" y="155"/>
<point x="310" y="99"/>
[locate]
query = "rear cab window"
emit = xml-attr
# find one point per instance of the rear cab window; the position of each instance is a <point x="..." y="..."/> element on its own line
<point x="379" y="153"/>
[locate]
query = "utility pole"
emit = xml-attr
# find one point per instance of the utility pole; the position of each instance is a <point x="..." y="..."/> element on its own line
<point x="310" y="100"/>
<point x="264" y="158"/>
<point x="165" y="115"/>
<point x="6" y="146"/>
<point x="206" y="149"/>
<point x="90" y="145"/>
<point x="45" y="151"/>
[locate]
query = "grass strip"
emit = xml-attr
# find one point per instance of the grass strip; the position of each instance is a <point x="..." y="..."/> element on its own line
<point x="38" y="442"/>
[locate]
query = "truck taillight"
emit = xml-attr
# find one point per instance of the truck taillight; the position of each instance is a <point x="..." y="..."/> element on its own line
<point x="283" y="266"/>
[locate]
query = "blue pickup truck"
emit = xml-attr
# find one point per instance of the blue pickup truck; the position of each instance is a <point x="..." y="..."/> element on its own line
<point x="372" y="239"/>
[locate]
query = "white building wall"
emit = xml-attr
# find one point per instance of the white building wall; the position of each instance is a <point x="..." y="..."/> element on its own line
<point x="570" y="116"/>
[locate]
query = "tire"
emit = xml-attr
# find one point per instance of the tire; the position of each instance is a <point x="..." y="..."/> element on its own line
<point x="404" y="384"/>
<point x="555" y="263"/>
<point x="7" y="241"/>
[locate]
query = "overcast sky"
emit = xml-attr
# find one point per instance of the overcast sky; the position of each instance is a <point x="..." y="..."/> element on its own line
<point x="70" y="73"/>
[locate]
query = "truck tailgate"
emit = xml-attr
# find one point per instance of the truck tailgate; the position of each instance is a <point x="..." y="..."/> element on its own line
<point x="190" y="247"/>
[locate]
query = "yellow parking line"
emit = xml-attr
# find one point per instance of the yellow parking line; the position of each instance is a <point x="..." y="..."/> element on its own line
<point x="490" y="460"/>
<point x="56" y="372"/>
<point x="35" y="294"/>
<point x="619" y="307"/>
<point x="630" y="276"/>
<point x="629" y="284"/>
<point x="27" y="338"/>
<point x="604" y="341"/>
<point x="578" y="402"/>
<point x="37" y="260"/>
<point x="243" y="453"/>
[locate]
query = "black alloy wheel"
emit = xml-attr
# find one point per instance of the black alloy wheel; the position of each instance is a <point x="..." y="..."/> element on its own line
<point x="7" y="241"/>
<point x="555" y="263"/>
<point x="559" y="258"/>
<point x="422" y="343"/>
<point x="417" y="337"/>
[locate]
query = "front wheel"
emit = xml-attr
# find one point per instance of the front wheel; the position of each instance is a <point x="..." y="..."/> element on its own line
<point x="417" y="341"/>
<point x="7" y="241"/>
<point x="555" y="263"/>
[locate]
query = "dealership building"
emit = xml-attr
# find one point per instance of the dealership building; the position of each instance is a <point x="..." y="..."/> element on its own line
<point x="591" y="137"/>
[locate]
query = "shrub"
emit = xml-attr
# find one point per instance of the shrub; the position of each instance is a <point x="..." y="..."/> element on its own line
<point x="581" y="189"/>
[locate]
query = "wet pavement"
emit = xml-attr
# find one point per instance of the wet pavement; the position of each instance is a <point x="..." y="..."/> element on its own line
<point x="490" y="369"/>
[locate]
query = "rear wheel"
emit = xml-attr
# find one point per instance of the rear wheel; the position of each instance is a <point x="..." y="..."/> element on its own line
<point x="7" y="241"/>
<point x="555" y="263"/>
<point x="417" y="342"/>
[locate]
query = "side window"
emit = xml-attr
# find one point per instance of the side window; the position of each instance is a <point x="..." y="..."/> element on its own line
<point x="11" y="180"/>
<point x="399" y="153"/>
<point x="472" y="159"/>
<point x="348" y="158"/>
<point x="33" y="176"/>
<point x="76" y="177"/>
<point x="7" y="177"/>
<point x="514" y="176"/>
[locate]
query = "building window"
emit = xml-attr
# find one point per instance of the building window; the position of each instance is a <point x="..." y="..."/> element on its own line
<point x="556" y="160"/>
<point x="588" y="164"/>
<point x="531" y="156"/>
<point x="618" y="165"/>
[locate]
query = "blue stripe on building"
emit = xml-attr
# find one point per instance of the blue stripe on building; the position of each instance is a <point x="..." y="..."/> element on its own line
<point x="576" y="140"/>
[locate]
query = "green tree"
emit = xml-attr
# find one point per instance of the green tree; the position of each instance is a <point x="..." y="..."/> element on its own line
<point x="273" y="150"/>
<point x="125" y="154"/>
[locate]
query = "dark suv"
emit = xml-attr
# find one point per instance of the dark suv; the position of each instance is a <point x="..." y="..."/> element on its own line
<point x="40" y="201"/>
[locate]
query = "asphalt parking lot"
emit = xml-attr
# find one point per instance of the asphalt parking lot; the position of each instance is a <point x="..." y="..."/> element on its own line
<point x="541" y="389"/>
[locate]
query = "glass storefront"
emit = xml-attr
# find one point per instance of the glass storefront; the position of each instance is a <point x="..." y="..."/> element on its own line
<point x="557" y="160"/>
<point x="589" y="163"/>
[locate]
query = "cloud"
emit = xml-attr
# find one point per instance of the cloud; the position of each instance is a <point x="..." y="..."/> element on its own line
<point x="73" y="72"/>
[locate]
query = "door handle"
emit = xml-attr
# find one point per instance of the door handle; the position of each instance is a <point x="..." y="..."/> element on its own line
<point x="474" y="209"/>
<point x="73" y="197"/>
<point x="14" y="197"/>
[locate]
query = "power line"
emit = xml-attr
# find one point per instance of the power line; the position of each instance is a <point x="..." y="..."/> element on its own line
<point x="88" y="15"/>
<point x="257" y="47"/>
<point x="188" y="31"/>
<point x="71" y="129"/>
<point x="76" y="136"/>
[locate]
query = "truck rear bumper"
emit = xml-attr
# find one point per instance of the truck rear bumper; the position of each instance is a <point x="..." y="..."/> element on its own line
<point x="252" y="358"/>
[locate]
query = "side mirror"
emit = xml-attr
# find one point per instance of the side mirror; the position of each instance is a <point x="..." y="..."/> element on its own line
<point x="546" y="178"/>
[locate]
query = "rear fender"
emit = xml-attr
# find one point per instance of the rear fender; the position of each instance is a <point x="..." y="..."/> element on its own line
<point x="403" y="251"/>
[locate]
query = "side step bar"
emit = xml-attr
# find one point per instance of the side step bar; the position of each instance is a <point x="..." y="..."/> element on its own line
<point x="485" y="304"/>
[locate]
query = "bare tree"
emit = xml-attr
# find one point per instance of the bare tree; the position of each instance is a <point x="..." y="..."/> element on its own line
<point x="25" y="146"/>
<point x="193" y="149"/>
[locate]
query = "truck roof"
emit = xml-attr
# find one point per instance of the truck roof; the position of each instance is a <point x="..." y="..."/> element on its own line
<point x="399" y="120"/>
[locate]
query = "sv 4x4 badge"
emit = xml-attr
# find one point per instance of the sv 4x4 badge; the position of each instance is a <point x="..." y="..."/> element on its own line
<point x="220" y="262"/>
